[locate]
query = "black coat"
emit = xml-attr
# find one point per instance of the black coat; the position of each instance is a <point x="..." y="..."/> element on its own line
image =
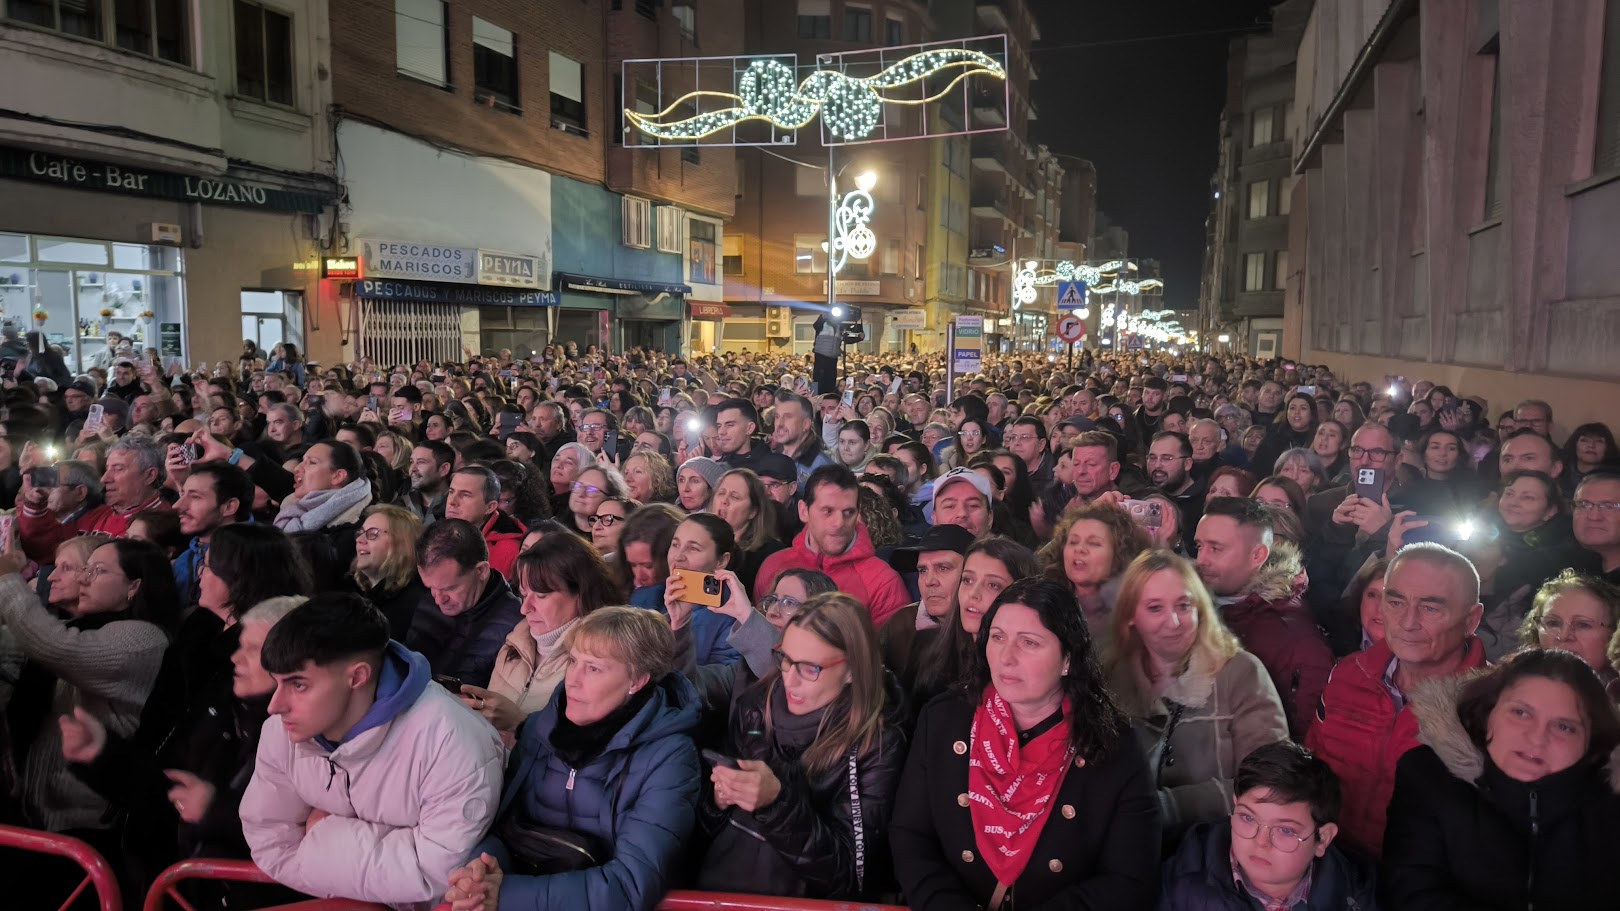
<point x="803" y="843"/>
<point x="1098" y="849"/>
<point x="401" y="606"/>
<point x="1461" y="834"/>
<point x="465" y="646"/>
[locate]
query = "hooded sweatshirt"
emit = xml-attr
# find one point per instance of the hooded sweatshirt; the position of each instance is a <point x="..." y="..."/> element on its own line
<point x="409" y="790"/>
<point x="858" y="572"/>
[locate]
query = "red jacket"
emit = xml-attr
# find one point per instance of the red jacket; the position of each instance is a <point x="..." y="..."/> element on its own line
<point x="858" y="572"/>
<point x="504" y="535"/>
<point x="1286" y="639"/>
<point x="41" y="532"/>
<point x="1360" y="734"/>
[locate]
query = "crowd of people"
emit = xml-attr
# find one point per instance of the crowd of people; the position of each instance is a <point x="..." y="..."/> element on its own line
<point x="573" y="630"/>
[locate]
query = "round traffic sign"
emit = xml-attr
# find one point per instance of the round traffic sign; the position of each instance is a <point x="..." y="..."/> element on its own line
<point x="1071" y="329"/>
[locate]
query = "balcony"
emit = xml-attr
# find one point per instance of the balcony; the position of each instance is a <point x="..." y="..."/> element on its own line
<point x="987" y="152"/>
<point x="994" y="15"/>
<point x="990" y="107"/>
<point x="992" y="205"/>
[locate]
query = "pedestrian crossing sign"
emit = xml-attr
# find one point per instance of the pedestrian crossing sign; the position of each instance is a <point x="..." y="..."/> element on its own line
<point x="1071" y="295"/>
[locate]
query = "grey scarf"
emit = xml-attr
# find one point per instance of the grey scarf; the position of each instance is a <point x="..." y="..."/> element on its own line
<point x="315" y="511"/>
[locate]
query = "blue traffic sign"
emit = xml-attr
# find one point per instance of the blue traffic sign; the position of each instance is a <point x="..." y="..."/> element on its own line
<point x="1071" y="295"/>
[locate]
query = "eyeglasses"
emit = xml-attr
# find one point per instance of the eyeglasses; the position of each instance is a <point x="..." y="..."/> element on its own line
<point x="94" y="571"/>
<point x="592" y="428"/>
<point x="1584" y="505"/>
<point x="1377" y="455"/>
<point x="370" y="534"/>
<point x="773" y="485"/>
<point x="776" y="607"/>
<point x="1018" y="438"/>
<point x="586" y="489"/>
<point x="810" y="673"/>
<point x="1284" y="838"/>
<point x="604" y="519"/>
<point x="1579" y="628"/>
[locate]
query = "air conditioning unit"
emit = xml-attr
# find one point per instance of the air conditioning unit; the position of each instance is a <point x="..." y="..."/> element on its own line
<point x="778" y="322"/>
<point x="165" y="233"/>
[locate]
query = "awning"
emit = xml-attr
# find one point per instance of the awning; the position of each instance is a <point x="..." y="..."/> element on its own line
<point x="616" y="285"/>
<point x="464" y="295"/>
<point x="706" y="310"/>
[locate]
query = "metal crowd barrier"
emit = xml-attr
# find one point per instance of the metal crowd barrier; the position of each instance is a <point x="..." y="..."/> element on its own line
<point x="97" y="872"/>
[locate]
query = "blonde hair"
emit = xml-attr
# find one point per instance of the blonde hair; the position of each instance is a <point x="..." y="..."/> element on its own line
<point x="84" y="544"/>
<point x="641" y="639"/>
<point x="405" y="529"/>
<point x="663" y="475"/>
<point x="1567" y="581"/>
<point x="270" y="611"/>
<point x="845" y="624"/>
<point x="1125" y="537"/>
<point x="1213" y="638"/>
<point x="402" y="449"/>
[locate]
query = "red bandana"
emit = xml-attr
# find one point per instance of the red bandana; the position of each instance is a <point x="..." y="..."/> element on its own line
<point x="1010" y="788"/>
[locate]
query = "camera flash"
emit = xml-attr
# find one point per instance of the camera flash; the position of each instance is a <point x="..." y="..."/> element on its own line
<point x="694" y="424"/>
<point x="1465" y="529"/>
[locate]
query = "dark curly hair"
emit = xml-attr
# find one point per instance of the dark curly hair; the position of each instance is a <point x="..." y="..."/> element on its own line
<point x="1096" y="724"/>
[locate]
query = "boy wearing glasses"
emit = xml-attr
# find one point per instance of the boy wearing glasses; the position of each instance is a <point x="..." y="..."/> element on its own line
<point x="1276" y="853"/>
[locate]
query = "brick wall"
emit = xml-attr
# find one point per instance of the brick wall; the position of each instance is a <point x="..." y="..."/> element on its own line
<point x="367" y="84"/>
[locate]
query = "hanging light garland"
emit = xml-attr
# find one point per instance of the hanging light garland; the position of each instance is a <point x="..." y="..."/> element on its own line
<point x="850" y="108"/>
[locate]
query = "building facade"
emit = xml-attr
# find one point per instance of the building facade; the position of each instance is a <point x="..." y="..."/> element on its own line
<point x="491" y="198"/>
<point x="1458" y="172"/>
<point x="1253" y="187"/>
<point x="167" y="173"/>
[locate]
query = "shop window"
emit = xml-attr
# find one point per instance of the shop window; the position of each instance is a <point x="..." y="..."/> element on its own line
<point x="153" y="28"/>
<point x="701" y="243"/>
<point x="815" y="18"/>
<point x="567" y="96"/>
<point x="857" y="23"/>
<point x="733" y="259"/>
<point x="421" y="48"/>
<point x="264" y="54"/>
<point x="809" y="254"/>
<point x="495" y="78"/>
<point x="273" y="317"/>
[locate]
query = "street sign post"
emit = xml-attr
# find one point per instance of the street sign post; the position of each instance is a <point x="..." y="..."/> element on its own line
<point x="1071" y="329"/>
<point x="968" y="350"/>
<point x="1071" y="295"/>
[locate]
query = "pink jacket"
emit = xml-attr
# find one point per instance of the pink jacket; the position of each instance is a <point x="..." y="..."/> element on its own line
<point x="858" y="572"/>
<point x="409" y="799"/>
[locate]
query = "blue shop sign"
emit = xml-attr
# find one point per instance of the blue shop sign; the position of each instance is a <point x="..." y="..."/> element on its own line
<point x="463" y="295"/>
<point x="629" y="286"/>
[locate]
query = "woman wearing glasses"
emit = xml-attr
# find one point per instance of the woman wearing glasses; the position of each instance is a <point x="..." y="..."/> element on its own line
<point x="740" y="499"/>
<point x="1578" y="613"/>
<point x="813" y="751"/>
<point x="385" y="565"/>
<point x="1197" y="702"/>
<point x="1026" y="788"/>
<point x="607" y="523"/>
<point x="97" y="666"/>
<point x="594" y="484"/>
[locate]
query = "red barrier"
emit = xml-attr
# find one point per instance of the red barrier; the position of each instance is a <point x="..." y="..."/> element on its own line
<point x="726" y="901"/>
<point x="97" y="872"/>
<point x="167" y="886"/>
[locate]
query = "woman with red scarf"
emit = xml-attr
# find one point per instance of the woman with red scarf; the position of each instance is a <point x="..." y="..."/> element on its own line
<point x="1026" y="789"/>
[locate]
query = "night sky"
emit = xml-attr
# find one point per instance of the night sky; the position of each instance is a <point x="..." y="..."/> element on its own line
<point x="1124" y="85"/>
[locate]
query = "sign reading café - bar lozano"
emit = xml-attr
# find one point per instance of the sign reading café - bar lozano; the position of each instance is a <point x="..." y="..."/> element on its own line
<point x="85" y="174"/>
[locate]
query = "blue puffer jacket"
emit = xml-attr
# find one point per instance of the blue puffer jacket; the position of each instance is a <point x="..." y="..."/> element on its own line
<point x="639" y="796"/>
<point x="1199" y="877"/>
<point x="709" y="629"/>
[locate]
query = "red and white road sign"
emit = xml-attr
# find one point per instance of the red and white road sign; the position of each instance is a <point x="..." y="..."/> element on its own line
<point x="1071" y="329"/>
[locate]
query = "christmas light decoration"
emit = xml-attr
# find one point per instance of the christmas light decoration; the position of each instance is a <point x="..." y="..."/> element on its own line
<point x="1024" y="286"/>
<point x="851" y="236"/>
<point x="850" y="108"/>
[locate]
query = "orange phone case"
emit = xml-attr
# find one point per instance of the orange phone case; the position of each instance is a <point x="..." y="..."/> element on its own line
<point x="694" y="588"/>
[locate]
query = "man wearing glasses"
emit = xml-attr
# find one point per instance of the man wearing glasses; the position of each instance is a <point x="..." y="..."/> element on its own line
<point x="1597" y="520"/>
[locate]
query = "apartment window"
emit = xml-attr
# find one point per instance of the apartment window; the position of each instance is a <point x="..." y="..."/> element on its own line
<point x="636" y="214"/>
<point x="732" y="258"/>
<point x="808" y="181"/>
<point x="155" y="28"/>
<point x="917" y="264"/>
<point x="669" y="228"/>
<point x="1494" y="174"/>
<point x="1262" y="126"/>
<point x="264" y="54"/>
<point x="857" y="23"/>
<point x="1254" y="272"/>
<point x="1285" y="195"/>
<point x="686" y="16"/>
<point x="1608" y="126"/>
<point x="495" y="81"/>
<point x="891" y="257"/>
<point x="1280" y="280"/>
<point x="1260" y="199"/>
<point x="701" y="243"/>
<point x="894" y="31"/>
<point x="815" y="18"/>
<point x="922" y="191"/>
<point x="808" y="255"/>
<point x="567" y="95"/>
<point x="420" y="48"/>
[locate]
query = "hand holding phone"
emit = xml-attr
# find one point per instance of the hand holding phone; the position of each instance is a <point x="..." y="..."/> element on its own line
<point x="1370" y="484"/>
<point x="718" y="759"/>
<point x="95" y="420"/>
<point x="701" y="588"/>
